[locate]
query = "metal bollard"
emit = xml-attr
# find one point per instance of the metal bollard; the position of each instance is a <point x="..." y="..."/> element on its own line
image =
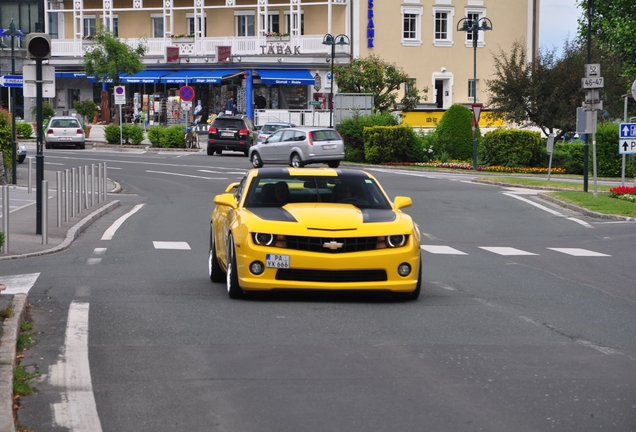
<point x="30" y="171"/>
<point x="86" y="187"/>
<point x="80" y="189"/>
<point x="66" y="195"/>
<point x="99" y="184"/>
<point x="58" y="187"/>
<point x="92" y="185"/>
<point x="45" y="212"/>
<point x="5" y="218"/>
<point x="105" y="181"/>
<point x="76" y="185"/>
<point x="72" y="192"/>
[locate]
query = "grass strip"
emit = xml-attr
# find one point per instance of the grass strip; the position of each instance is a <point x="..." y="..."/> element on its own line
<point x="602" y="203"/>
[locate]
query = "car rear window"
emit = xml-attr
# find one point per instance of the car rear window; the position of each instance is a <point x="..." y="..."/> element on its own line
<point x="227" y="123"/>
<point x="65" y="123"/>
<point x="272" y="128"/>
<point x="325" y="135"/>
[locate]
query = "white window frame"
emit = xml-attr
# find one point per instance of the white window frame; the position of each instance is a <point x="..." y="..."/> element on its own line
<point x="418" y="12"/>
<point x="115" y="23"/>
<point x="473" y="86"/>
<point x="190" y="22"/>
<point x="480" y="35"/>
<point x="153" y="19"/>
<point x="238" y="15"/>
<point x="288" y="26"/>
<point x="448" y="41"/>
<point x="86" y="22"/>
<point x="270" y="23"/>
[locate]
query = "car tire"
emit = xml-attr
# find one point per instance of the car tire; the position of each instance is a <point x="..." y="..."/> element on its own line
<point x="47" y="145"/>
<point x="257" y="162"/>
<point x="210" y="151"/>
<point x="214" y="269"/>
<point x="21" y="158"/>
<point x="246" y="152"/>
<point x="333" y="164"/>
<point x="219" y="152"/>
<point x="233" y="288"/>
<point x="81" y="146"/>
<point x="296" y="161"/>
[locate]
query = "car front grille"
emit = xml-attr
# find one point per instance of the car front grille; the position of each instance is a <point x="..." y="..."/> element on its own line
<point x="331" y="276"/>
<point x="331" y="244"/>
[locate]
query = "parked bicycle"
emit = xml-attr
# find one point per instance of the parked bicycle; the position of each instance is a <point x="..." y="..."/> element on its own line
<point x="191" y="136"/>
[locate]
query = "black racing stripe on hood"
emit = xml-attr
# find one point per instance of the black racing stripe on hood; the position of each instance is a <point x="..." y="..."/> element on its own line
<point x="273" y="214"/>
<point x="377" y="215"/>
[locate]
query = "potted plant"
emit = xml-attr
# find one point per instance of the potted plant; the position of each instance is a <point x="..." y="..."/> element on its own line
<point x="87" y="109"/>
<point x="276" y="36"/>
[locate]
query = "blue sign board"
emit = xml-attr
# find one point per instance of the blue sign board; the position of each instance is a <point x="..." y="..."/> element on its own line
<point x="627" y="141"/>
<point x="11" y="80"/>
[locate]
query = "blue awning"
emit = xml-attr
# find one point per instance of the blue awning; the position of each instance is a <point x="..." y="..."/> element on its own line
<point x="144" y="77"/>
<point x="70" y="74"/>
<point x="286" y="76"/>
<point x="197" y="76"/>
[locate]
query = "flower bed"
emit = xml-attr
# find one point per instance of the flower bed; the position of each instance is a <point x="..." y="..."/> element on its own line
<point x="465" y="166"/>
<point x="624" y="193"/>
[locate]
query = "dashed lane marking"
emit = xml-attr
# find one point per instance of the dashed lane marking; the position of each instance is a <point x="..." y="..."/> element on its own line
<point x="442" y="250"/>
<point x="579" y="252"/>
<point x="506" y="251"/>
<point x="171" y="245"/>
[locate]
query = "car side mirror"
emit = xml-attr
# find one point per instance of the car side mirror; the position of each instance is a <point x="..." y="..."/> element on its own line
<point x="402" y="202"/>
<point x="226" y="199"/>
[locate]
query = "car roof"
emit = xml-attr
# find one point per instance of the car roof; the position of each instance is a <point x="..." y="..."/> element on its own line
<point x="283" y="172"/>
<point x="64" y="118"/>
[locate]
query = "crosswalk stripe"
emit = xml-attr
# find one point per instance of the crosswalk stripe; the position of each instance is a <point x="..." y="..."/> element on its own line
<point x="442" y="250"/>
<point x="579" y="252"/>
<point x="171" y="245"/>
<point x="19" y="284"/>
<point x="507" y="251"/>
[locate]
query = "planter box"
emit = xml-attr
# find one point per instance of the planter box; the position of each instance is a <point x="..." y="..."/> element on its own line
<point x="183" y="40"/>
<point x="277" y="38"/>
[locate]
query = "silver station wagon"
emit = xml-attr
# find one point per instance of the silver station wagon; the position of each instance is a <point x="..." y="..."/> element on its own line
<point x="64" y="131"/>
<point x="298" y="147"/>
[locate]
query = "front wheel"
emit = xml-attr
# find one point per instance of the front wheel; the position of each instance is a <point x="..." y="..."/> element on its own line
<point x="333" y="164"/>
<point x="195" y="141"/>
<point x="214" y="269"/>
<point x="257" y="162"/>
<point x="296" y="161"/>
<point x="188" y="141"/>
<point x="233" y="288"/>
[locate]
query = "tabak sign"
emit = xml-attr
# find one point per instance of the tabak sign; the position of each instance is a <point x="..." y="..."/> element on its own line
<point x="224" y="54"/>
<point x="278" y="48"/>
<point x="172" y="54"/>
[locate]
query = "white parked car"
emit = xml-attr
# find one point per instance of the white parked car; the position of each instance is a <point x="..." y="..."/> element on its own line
<point x="64" y="131"/>
<point x="299" y="146"/>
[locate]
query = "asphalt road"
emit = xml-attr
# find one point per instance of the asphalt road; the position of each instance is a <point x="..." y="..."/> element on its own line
<point x="526" y="320"/>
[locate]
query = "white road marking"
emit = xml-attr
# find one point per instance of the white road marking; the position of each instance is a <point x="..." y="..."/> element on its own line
<point x="93" y="261"/>
<point x="110" y="232"/>
<point x="186" y="175"/>
<point x="82" y="410"/>
<point x="19" y="284"/>
<point x="580" y="222"/>
<point x="444" y="286"/>
<point x="507" y="251"/>
<point x="171" y="245"/>
<point x="442" y="250"/>
<point x="579" y="252"/>
<point x="216" y="172"/>
<point x="99" y="251"/>
<point x="537" y="205"/>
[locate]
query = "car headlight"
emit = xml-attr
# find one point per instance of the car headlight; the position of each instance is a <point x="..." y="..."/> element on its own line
<point x="392" y="241"/>
<point x="266" y="239"/>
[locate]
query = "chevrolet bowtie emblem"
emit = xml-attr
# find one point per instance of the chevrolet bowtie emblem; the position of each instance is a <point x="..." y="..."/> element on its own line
<point x="333" y="245"/>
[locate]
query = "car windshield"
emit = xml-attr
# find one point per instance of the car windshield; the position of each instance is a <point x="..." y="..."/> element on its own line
<point x="271" y="191"/>
<point x="65" y="123"/>
<point x="271" y="128"/>
<point x="227" y="123"/>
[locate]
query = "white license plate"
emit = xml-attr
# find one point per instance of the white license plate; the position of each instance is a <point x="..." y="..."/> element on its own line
<point x="277" y="261"/>
<point x="329" y="147"/>
<point x="227" y="134"/>
<point x="65" y="138"/>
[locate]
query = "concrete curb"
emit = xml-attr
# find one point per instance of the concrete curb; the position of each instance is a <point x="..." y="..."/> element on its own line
<point x="10" y="329"/>
<point x="72" y="233"/>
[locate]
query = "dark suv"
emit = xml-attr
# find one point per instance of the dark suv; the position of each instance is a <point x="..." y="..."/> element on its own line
<point x="235" y="133"/>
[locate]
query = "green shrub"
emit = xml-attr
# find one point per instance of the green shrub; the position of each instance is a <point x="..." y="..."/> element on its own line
<point x="173" y="137"/>
<point x="351" y="130"/>
<point x="511" y="148"/>
<point x="391" y="144"/>
<point x="132" y="134"/>
<point x="5" y="139"/>
<point x="112" y="134"/>
<point x="454" y="133"/>
<point x="154" y="135"/>
<point x="86" y="109"/>
<point x="609" y="161"/>
<point x="568" y="155"/>
<point x="47" y="110"/>
<point x="1" y="239"/>
<point x="24" y="129"/>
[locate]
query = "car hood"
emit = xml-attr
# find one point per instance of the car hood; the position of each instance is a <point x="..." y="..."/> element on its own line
<point x="310" y="218"/>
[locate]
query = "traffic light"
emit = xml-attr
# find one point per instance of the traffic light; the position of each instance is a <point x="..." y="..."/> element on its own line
<point x="38" y="46"/>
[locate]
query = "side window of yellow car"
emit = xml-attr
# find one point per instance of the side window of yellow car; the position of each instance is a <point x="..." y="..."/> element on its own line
<point x="238" y="192"/>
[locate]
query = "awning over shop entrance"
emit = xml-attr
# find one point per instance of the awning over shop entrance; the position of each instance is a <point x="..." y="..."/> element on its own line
<point x="70" y="74"/>
<point x="144" y="77"/>
<point x="286" y="76"/>
<point x="193" y="76"/>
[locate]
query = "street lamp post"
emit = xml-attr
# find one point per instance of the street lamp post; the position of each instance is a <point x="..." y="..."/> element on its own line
<point x="333" y="41"/>
<point x="474" y="26"/>
<point x="13" y="32"/>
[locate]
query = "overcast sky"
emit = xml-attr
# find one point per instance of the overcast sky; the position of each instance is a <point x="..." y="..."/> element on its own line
<point x="557" y="23"/>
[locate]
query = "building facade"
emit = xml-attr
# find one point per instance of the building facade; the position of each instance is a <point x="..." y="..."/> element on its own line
<point x="239" y="48"/>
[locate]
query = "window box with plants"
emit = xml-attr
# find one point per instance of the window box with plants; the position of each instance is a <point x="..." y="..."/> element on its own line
<point x="277" y="37"/>
<point x="183" y="38"/>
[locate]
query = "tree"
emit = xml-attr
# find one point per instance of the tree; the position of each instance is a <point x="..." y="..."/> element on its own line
<point x="108" y="59"/>
<point x="613" y="27"/>
<point x="548" y="91"/>
<point x="86" y="109"/>
<point x="382" y="79"/>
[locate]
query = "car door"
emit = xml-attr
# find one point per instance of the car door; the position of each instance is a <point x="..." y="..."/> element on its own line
<point x="286" y="145"/>
<point x="268" y="148"/>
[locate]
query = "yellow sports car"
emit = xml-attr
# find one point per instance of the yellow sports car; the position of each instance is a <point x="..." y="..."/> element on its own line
<point x="313" y="228"/>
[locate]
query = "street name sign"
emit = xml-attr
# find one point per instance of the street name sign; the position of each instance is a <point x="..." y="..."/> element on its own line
<point x="592" y="70"/>
<point x="10" y="80"/>
<point x="315" y="103"/>
<point x="627" y="141"/>
<point x="592" y="83"/>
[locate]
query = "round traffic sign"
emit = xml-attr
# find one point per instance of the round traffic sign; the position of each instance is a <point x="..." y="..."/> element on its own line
<point x="186" y="93"/>
<point x="119" y="90"/>
<point x="634" y="90"/>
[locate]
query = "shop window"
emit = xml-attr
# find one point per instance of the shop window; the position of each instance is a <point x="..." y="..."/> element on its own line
<point x="300" y="26"/>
